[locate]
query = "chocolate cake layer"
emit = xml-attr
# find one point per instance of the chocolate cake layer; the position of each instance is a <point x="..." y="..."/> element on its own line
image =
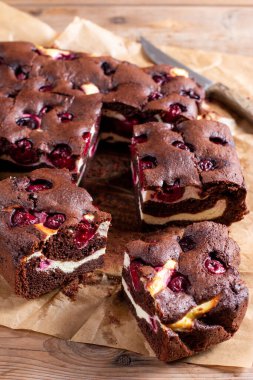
<point x="49" y="231"/>
<point x="185" y="173"/>
<point x="184" y="288"/>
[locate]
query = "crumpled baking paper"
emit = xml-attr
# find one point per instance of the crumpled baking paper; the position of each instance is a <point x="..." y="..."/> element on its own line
<point x="99" y="315"/>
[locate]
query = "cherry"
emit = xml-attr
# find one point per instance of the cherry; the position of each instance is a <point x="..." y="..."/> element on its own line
<point x="206" y="165"/>
<point x="134" y="273"/>
<point x="171" y="193"/>
<point x="153" y="324"/>
<point x="22" y="152"/>
<point x="187" y="243"/>
<point x="65" y="117"/>
<point x="86" y="137"/>
<point x="21" y="217"/>
<point x="66" y="57"/>
<point x="147" y="162"/>
<point x="54" y="221"/>
<point x="84" y="232"/>
<point x="44" y="264"/>
<point x="41" y="216"/>
<point x="154" y="96"/>
<point x="178" y="283"/>
<point x="218" y="140"/>
<point x="61" y="157"/>
<point x="39" y="185"/>
<point x="46" y="88"/>
<point x="173" y="112"/>
<point x="190" y="93"/>
<point x="20" y="73"/>
<point x="161" y="78"/>
<point x="31" y="121"/>
<point x="107" y="68"/>
<point x="214" y="266"/>
<point x="139" y="139"/>
<point x="181" y="145"/>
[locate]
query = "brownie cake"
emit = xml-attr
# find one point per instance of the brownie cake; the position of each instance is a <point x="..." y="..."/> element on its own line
<point x="50" y="107"/>
<point x="184" y="289"/>
<point x="185" y="173"/>
<point x="49" y="231"/>
<point x="157" y="93"/>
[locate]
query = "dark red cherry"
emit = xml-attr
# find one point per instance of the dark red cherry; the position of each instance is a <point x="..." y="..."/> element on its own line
<point x="181" y="145"/>
<point x="66" y="57"/>
<point x="22" y="152"/>
<point x="31" y="121"/>
<point x="171" y="193"/>
<point x="178" y="283"/>
<point x="86" y="137"/>
<point x="206" y="165"/>
<point x="153" y="323"/>
<point x="54" y="221"/>
<point x="39" y="185"/>
<point x="190" y="93"/>
<point x="214" y="266"/>
<point x="187" y="243"/>
<point x="21" y="217"/>
<point x="147" y="162"/>
<point x="218" y="140"/>
<point x="20" y="73"/>
<point x="65" y="117"/>
<point x="41" y="216"/>
<point x="173" y="112"/>
<point x="46" y="88"/>
<point x="139" y="139"/>
<point x="107" y="68"/>
<point x="134" y="272"/>
<point x="61" y="157"/>
<point x="154" y="96"/>
<point x="161" y="78"/>
<point x="84" y="232"/>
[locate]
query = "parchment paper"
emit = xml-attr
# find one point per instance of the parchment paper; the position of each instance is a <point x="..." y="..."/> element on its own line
<point x="99" y="315"/>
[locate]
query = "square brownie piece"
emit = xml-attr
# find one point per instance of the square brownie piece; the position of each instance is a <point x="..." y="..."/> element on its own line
<point x="139" y="95"/>
<point x="50" y="233"/>
<point x="184" y="289"/>
<point x="50" y="107"/>
<point x="187" y="172"/>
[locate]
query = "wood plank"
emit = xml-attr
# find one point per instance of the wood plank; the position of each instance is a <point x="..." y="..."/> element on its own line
<point x="182" y="3"/>
<point x="26" y="355"/>
<point x="226" y="29"/>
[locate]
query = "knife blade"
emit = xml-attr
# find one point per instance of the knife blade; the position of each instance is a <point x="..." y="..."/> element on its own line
<point x="217" y="91"/>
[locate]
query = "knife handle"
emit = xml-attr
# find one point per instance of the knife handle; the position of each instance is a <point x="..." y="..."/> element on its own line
<point x="232" y="99"/>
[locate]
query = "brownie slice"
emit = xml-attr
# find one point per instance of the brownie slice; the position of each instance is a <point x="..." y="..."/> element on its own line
<point x="152" y="94"/>
<point x="184" y="289"/>
<point x="185" y="173"/>
<point x="50" y="107"/>
<point x="50" y="231"/>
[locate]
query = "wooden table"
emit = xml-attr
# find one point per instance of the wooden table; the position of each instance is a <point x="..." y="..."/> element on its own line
<point x="224" y="25"/>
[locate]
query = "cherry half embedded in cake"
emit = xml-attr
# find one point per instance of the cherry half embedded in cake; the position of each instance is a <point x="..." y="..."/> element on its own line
<point x="56" y="233"/>
<point x="176" y="181"/>
<point x="179" y="296"/>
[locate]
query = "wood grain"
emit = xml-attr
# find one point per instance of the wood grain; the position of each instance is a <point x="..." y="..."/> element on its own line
<point x="223" y="28"/>
<point x="26" y="356"/>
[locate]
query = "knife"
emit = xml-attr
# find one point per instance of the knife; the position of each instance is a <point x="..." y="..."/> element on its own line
<point x="217" y="91"/>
